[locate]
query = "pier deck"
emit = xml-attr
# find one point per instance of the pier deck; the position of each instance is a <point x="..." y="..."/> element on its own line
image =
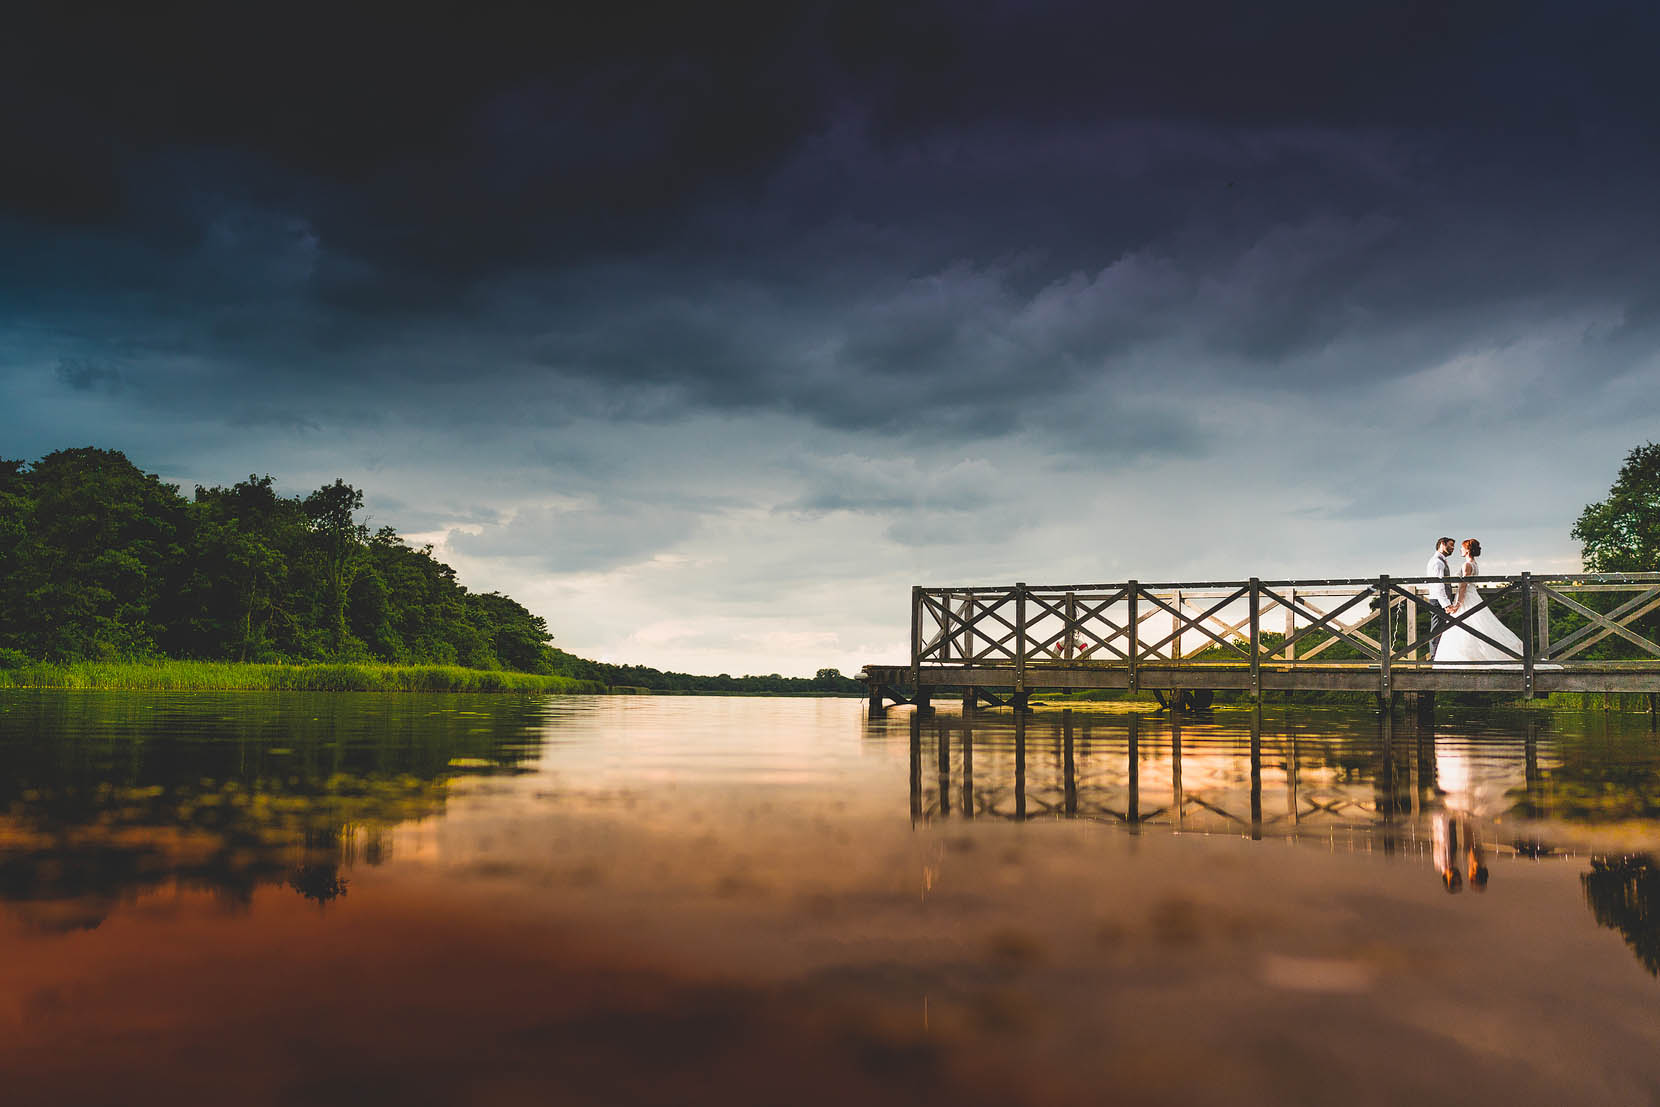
<point x="1578" y="633"/>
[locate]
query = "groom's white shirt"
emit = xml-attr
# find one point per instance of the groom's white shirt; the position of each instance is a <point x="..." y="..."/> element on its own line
<point x="1437" y="567"/>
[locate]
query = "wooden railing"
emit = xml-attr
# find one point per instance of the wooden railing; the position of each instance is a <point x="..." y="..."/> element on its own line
<point x="1566" y="621"/>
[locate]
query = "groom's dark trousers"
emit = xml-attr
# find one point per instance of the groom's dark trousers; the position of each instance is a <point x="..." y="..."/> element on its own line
<point x="1438" y="620"/>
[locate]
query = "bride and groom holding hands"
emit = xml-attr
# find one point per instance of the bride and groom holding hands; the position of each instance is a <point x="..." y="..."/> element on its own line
<point x="1447" y="599"/>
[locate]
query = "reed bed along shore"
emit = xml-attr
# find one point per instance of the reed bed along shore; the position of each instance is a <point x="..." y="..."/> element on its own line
<point x="236" y="676"/>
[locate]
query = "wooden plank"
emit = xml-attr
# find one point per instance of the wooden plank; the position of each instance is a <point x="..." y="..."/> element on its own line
<point x="1459" y="680"/>
<point x="1581" y="581"/>
<point x="1612" y="680"/>
<point x="1331" y="677"/>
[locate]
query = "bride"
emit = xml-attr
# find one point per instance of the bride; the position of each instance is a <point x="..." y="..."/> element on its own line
<point x="1458" y="644"/>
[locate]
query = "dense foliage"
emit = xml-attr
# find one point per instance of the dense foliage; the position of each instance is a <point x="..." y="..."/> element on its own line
<point x="638" y="676"/>
<point x="1622" y="533"/>
<point x="102" y="561"/>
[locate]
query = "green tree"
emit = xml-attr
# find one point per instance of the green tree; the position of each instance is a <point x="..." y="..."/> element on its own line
<point x="518" y="639"/>
<point x="248" y="587"/>
<point x="1622" y="533"/>
<point x="16" y="521"/>
<point x="332" y="510"/>
<point x="96" y="568"/>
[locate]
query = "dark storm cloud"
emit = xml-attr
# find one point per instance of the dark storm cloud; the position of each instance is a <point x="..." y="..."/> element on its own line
<point x="851" y="212"/>
<point x="89" y="376"/>
<point x="582" y="538"/>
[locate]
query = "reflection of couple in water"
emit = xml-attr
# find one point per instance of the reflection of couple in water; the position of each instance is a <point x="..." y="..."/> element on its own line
<point x="1457" y="853"/>
<point x="1473" y="788"/>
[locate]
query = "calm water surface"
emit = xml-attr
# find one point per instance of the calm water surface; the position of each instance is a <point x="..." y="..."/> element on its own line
<point x="328" y="899"/>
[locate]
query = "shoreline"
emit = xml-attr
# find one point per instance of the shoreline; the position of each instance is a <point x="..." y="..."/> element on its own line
<point x="249" y="676"/>
<point x="167" y="675"/>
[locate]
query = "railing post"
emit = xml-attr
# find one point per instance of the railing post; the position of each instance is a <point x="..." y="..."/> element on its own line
<point x="916" y="638"/>
<point x="1256" y="639"/>
<point x="1541" y="642"/>
<point x="1386" y="639"/>
<point x="1411" y="607"/>
<point x="1070" y="649"/>
<point x="943" y="643"/>
<point x="1176" y="642"/>
<point x="1527" y="636"/>
<point x="1133" y="651"/>
<point x="1290" y="624"/>
<point x="1020" y="645"/>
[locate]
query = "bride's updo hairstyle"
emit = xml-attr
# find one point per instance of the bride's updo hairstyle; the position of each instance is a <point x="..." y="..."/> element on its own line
<point x="1472" y="547"/>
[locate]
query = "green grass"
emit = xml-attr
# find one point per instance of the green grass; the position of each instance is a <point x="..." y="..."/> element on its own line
<point x="215" y="676"/>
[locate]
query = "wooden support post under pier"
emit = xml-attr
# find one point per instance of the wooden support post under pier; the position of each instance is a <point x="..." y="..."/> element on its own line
<point x="1020" y="765"/>
<point x="916" y="768"/>
<point x="1256" y="774"/>
<point x="1069" y="766"/>
<point x="943" y="756"/>
<point x="1132" y="798"/>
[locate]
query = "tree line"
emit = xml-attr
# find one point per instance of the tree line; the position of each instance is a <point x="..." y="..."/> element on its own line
<point x="101" y="561"/>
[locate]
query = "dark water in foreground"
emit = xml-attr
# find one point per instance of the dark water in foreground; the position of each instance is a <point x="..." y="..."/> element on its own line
<point x="280" y="898"/>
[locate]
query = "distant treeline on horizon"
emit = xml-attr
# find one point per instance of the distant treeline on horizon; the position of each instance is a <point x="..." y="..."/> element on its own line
<point x="100" y="560"/>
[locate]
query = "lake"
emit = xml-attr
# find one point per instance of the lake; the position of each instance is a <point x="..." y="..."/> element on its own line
<point x="288" y="898"/>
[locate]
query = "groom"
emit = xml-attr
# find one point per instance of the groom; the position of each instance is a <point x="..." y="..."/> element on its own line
<point x="1440" y="597"/>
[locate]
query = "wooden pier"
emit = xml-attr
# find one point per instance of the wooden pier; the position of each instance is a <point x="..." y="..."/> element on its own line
<point x="1184" y="641"/>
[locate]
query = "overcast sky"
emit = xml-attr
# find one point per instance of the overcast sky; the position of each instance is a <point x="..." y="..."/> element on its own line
<point x="707" y="330"/>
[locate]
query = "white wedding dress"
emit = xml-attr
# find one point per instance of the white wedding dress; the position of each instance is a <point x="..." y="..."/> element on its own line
<point x="1459" y="645"/>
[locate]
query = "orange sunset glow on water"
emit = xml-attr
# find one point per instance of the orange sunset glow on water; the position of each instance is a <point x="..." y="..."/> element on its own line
<point x="654" y="901"/>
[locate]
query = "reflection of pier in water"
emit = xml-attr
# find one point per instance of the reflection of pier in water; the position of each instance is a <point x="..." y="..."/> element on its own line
<point x="1375" y="788"/>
